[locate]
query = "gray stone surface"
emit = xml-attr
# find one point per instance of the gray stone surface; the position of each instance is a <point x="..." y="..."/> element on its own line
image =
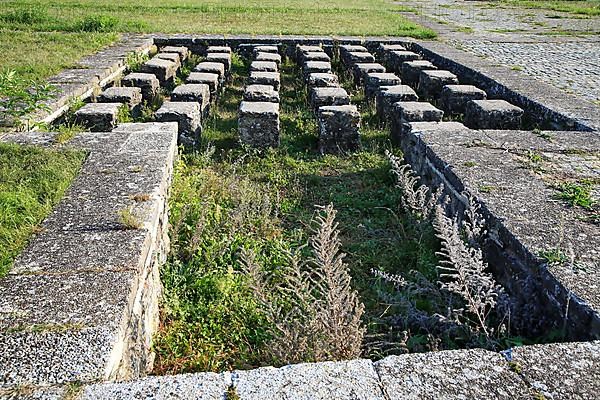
<point x="261" y="93"/>
<point x="394" y="59"/>
<point x="271" y="57"/>
<point x="328" y="96"/>
<point x="388" y="95"/>
<point x="223" y="58"/>
<point x="174" y="57"/>
<point x="188" y="118"/>
<point x="263" y="66"/>
<point x="315" y="56"/>
<point x="374" y="80"/>
<point x="454" y="98"/>
<point x="218" y="49"/>
<point x="411" y="71"/>
<point x="266" y="49"/>
<point x="360" y="69"/>
<point x="202" y="386"/>
<point x="265" y="78"/>
<point x="302" y="49"/>
<point x="431" y="82"/>
<point x="164" y="70"/>
<point x="384" y="48"/>
<point x="210" y="79"/>
<point x="198" y="92"/>
<point x="459" y="374"/>
<point x="338" y="129"/>
<point x="310" y="67"/>
<point x="347" y="48"/>
<point x="182" y="51"/>
<point x="319" y="79"/>
<point x="355" y="57"/>
<point x="147" y="82"/>
<point x="211" y="68"/>
<point x="258" y="124"/>
<point x="34" y="393"/>
<point x="492" y="114"/>
<point x="98" y="117"/>
<point x="345" y="380"/>
<point x="417" y="111"/>
<point x="132" y="96"/>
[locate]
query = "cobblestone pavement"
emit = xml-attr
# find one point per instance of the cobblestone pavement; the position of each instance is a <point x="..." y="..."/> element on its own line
<point x="557" y="48"/>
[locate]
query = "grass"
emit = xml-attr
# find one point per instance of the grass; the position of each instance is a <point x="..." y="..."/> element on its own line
<point x="587" y="8"/>
<point x="32" y="181"/>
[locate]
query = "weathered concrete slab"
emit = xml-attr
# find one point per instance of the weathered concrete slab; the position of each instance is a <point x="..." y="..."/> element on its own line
<point x="345" y="380"/>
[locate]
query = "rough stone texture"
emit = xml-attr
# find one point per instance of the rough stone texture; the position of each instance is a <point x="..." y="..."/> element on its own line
<point x="431" y="82"/>
<point x="492" y="114"/>
<point x="314" y="56"/>
<point x="132" y="96"/>
<point x="188" y="118"/>
<point x="361" y="69"/>
<point x="388" y="95"/>
<point x="416" y="111"/>
<point x="270" y="57"/>
<point x="345" y="49"/>
<point x="147" y="82"/>
<point x="384" y="48"/>
<point x="265" y="78"/>
<point x="65" y="315"/>
<point x="263" y="66"/>
<point x="303" y="49"/>
<point x="223" y="58"/>
<point x="182" y="51"/>
<point x="374" y="80"/>
<point x="258" y="123"/>
<point x="310" y="67"/>
<point x="174" y="57"/>
<point x="266" y="49"/>
<point x="411" y="71"/>
<point x="328" y="96"/>
<point x="355" y="57"/>
<point x="98" y="117"/>
<point x="454" y="98"/>
<point x="198" y="92"/>
<point x="164" y="70"/>
<point x="211" y="68"/>
<point x="202" y="386"/>
<point x="459" y="374"/>
<point x="338" y="129"/>
<point x="212" y="80"/>
<point x="394" y="59"/>
<point x="319" y="79"/>
<point x="345" y="380"/>
<point x="261" y="93"/>
<point x="218" y="49"/>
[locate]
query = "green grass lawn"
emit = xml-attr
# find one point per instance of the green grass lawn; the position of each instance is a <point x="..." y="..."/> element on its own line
<point x="589" y="7"/>
<point x="32" y="181"/>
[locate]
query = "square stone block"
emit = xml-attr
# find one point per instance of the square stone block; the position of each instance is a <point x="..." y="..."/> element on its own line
<point x="404" y="112"/>
<point x="411" y="71"/>
<point x="263" y="66"/>
<point x="258" y="123"/>
<point x="339" y="128"/>
<point x="265" y="78"/>
<point x="181" y="50"/>
<point x="198" y="92"/>
<point x="394" y="59"/>
<point x="314" y="56"/>
<point x="492" y="114"/>
<point x="320" y="79"/>
<point x="374" y="80"/>
<point x="132" y="96"/>
<point x="388" y="95"/>
<point x="211" y="68"/>
<point x="174" y="57"/>
<point x="223" y="58"/>
<point x="302" y="49"/>
<point x="431" y="82"/>
<point x="212" y="80"/>
<point x="218" y="49"/>
<point x="271" y="57"/>
<point x="352" y="48"/>
<point x="355" y="57"/>
<point x="328" y="96"/>
<point x="454" y="98"/>
<point x="385" y="48"/>
<point x="266" y="49"/>
<point x="261" y="93"/>
<point x="361" y="69"/>
<point x="148" y="83"/>
<point x="187" y="116"/>
<point x="98" y="117"/>
<point x="164" y="70"/>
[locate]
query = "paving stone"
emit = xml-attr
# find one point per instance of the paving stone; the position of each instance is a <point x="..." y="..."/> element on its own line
<point x="338" y="129"/>
<point x="361" y="69"/>
<point x="388" y="95"/>
<point x="258" y="124"/>
<point x="265" y="78"/>
<point x="374" y="80"/>
<point x="164" y="70"/>
<point x="261" y="93"/>
<point x="492" y="114"/>
<point x="344" y="380"/>
<point x="201" y="386"/>
<point x="98" y="117"/>
<point x="218" y="49"/>
<point x="315" y="56"/>
<point x="147" y="82"/>
<point x="411" y="71"/>
<point x="211" y="68"/>
<point x="266" y="49"/>
<point x="319" y="79"/>
<point x="271" y="57"/>
<point x="188" y="118"/>
<point x="316" y="66"/>
<point x="431" y="82"/>
<point x="328" y="96"/>
<point x="458" y="374"/>
<point x="198" y="92"/>
<point x="454" y="98"/>
<point x="263" y="66"/>
<point x="354" y="57"/>
<point x="210" y="79"/>
<point x="174" y="57"/>
<point x="181" y="50"/>
<point x="223" y="58"/>
<point x="132" y="96"/>
<point x="394" y="59"/>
